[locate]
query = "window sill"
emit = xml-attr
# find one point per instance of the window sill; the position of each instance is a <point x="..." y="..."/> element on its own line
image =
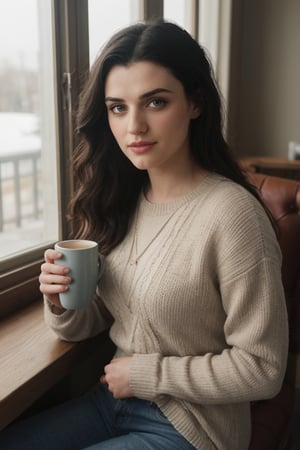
<point x="33" y="359"/>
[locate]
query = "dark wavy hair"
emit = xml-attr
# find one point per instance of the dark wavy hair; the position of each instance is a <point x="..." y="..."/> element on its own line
<point x="108" y="183"/>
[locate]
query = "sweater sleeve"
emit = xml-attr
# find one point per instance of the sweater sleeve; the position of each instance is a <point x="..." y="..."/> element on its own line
<point x="81" y="324"/>
<point x="252" y="364"/>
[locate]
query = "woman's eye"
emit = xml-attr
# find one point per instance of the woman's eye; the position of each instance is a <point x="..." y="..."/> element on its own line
<point x="157" y="103"/>
<point x="117" y="109"/>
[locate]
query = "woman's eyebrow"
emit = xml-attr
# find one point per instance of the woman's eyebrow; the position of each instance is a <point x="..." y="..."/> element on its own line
<point x="154" y="92"/>
<point x="142" y="97"/>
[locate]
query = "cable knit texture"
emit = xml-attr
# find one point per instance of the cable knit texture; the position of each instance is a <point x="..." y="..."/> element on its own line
<point x="202" y="312"/>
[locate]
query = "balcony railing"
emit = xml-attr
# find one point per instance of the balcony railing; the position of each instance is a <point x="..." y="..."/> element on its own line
<point x="20" y="177"/>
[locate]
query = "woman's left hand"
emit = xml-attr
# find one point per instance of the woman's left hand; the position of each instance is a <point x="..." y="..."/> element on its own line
<point x="116" y="376"/>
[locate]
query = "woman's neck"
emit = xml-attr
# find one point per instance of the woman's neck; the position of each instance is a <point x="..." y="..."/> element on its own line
<point x="165" y="187"/>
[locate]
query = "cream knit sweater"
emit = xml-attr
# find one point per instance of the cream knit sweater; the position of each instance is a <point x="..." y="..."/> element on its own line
<point x="202" y="312"/>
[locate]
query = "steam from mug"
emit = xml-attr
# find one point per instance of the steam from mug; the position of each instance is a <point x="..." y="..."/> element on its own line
<point x="86" y="267"/>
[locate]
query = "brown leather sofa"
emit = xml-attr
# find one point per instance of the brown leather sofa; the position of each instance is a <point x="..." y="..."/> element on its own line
<point x="271" y="419"/>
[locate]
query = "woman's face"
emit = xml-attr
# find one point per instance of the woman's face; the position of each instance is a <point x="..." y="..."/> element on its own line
<point x="149" y="115"/>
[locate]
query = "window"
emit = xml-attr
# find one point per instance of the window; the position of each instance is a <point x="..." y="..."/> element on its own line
<point x="182" y="12"/>
<point x="28" y="148"/>
<point x="28" y="172"/>
<point x="104" y="21"/>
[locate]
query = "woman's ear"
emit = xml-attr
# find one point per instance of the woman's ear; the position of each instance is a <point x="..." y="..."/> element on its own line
<point x="196" y="104"/>
<point x="195" y="111"/>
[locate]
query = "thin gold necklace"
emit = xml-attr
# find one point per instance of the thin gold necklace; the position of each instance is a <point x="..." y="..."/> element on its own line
<point x="134" y="256"/>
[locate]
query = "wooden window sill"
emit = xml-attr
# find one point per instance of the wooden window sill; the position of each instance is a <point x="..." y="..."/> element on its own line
<point x="32" y="360"/>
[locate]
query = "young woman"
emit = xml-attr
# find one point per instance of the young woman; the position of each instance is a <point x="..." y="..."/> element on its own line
<point x="192" y="289"/>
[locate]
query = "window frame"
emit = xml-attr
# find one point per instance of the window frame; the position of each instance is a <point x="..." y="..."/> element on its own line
<point x="19" y="274"/>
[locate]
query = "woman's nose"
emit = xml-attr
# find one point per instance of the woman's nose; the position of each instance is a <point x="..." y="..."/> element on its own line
<point x="137" y="123"/>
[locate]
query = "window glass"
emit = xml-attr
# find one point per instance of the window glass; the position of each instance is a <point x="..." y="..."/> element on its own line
<point x="28" y="178"/>
<point x="106" y="17"/>
<point x="181" y="12"/>
<point x="175" y="11"/>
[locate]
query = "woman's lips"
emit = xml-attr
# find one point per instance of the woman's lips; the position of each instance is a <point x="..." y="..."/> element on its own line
<point x="141" y="147"/>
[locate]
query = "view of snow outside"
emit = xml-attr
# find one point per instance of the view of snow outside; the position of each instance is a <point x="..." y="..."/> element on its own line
<point x="21" y="194"/>
<point x="20" y="146"/>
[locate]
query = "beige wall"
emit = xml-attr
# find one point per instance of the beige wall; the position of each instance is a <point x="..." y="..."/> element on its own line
<point x="264" y="95"/>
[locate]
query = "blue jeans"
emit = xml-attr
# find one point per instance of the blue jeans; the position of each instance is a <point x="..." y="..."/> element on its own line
<point x="96" y="421"/>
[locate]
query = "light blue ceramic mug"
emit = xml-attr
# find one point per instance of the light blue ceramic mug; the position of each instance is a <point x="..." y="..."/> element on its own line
<point x="86" y="267"/>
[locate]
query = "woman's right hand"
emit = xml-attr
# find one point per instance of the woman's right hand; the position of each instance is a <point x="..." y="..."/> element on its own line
<point x="53" y="278"/>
